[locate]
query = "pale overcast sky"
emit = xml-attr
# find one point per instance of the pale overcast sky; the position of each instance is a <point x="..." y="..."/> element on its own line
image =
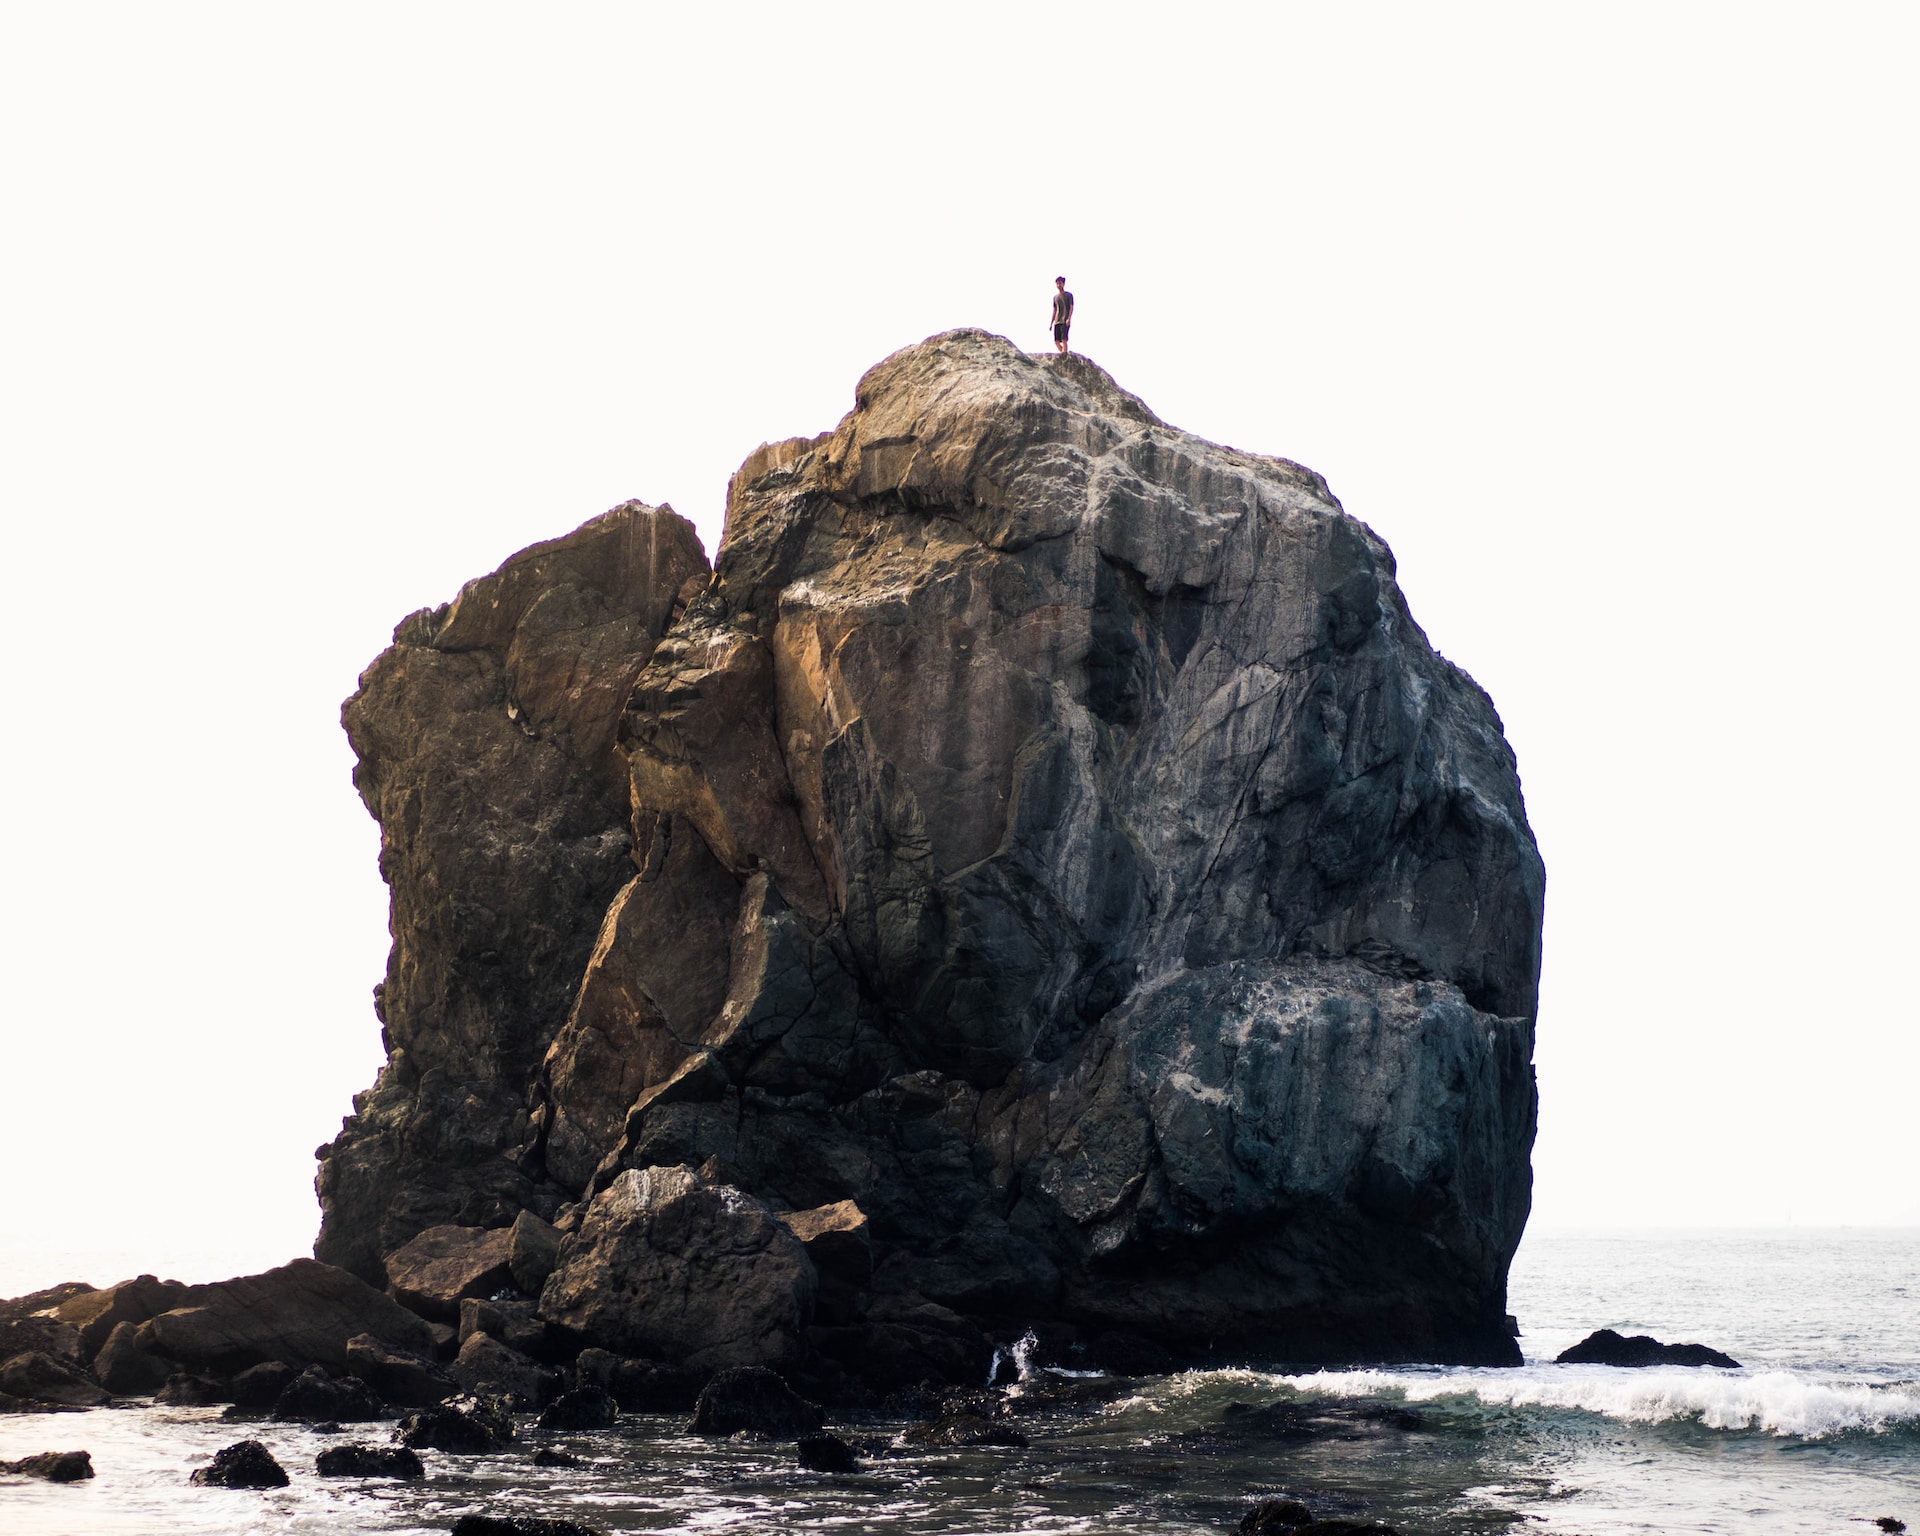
<point x="1603" y="316"/>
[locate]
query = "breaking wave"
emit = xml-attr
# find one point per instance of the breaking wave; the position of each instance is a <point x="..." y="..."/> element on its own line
<point x="1775" y="1402"/>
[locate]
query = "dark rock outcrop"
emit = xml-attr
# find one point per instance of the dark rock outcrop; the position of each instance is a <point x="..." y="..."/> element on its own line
<point x="1045" y="830"/>
<point x="314" y="1397"/>
<point x="755" y="1399"/>
<point x="41" y="1377"/>
<point x="821" y="1452"/>
<point x="640" y="1386"/>
<point x="258" y="1387"/>
<point x="581" y="1408"/>
<point x="185" y="1390"/>
<point x="248" y="1464"/>
<point x="369" y="1461"/>
<point x="1605" y="1347"/>
<point x="470" y="1426"/>
<point x="52" y="1466"/>
<point x="487" y="1367"/>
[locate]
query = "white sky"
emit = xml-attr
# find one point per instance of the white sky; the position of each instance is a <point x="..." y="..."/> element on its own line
<point x="1603" y="315"/>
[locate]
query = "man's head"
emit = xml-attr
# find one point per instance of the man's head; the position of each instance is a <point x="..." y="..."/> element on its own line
<point x="1059" y="282"/>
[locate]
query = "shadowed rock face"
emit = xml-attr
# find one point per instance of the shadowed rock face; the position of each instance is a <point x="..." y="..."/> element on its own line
<point x="1047" y="830"/>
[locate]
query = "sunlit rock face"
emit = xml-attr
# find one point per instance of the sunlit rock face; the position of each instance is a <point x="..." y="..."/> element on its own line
<point x="1045" y="829"/>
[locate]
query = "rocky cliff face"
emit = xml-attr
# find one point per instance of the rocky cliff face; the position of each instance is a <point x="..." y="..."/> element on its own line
<point x="1044" y="829"/>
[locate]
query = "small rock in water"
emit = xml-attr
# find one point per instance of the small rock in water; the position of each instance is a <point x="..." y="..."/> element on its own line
<point x="65" y="1467"/>
<point x="246" y="1465"/>
<point x="1886" y="1523"/>
<point x="490" y="1525"/>
<point x="826" y="1453"/>
<point x="965" y="1429"/>
<point x="1274" y="1515"/>
<point x="1606" y="1347"/>
<point x="754" y="1398"/>
<point x="552" y="1456"/>
<point x="469" y="1426"/>
<point x="369" y="1461"/>
<point x="582" y="1408"/>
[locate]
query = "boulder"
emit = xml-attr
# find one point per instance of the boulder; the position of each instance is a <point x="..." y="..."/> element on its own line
<point x="473" y="1426"/>
<point x="1045" y="828"/>
<point x="396" y="1376"/>
<point x="1605" y="1347"/>
<point x="248" y="1464"/>
<point x="488" y="1367"/>
<point x="129" y="1365"/>
<point x="300" y="1314"/>
<point x="184" y="1390"/>
<point x="840" y="1248"/>
<point x="550" y="1456"/>
<point x="581" y="1409"/>
<point x="431" y="1273"/>
<point x="755" y="1399"/>
<point x="369" y="1461"/>
<point x="514" y="1323"/>
<point x="314" y="1397"/>
<point x="639" y="1386"/>
<point x="821" y="1452"/>
<point x="42" y="1378"/>
<point x="667" y="1264"/>
<point x="52" y="1466"/>
<point x="258" y="1387"/>
<point x="533" y="1248"/>
<point x="95" y="1314"/>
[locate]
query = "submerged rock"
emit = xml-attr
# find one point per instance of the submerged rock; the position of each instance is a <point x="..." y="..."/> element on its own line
<point x="492" y="1525"/>
<point x="52" y="1466"/>
<point x="1274" y="1516"/>
<point x="248" y="1464"/>
<point x="1045" y="829"/>
<point x="753" y="1398"/>
<point x="551" y="1456"/>
<point x="1605" y="1347"/>
<point x="965" y="1429"/>
<point x="369" y="1461"/>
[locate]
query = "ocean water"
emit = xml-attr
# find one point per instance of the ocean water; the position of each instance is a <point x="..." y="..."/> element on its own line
<point x="1818" y="1432"/>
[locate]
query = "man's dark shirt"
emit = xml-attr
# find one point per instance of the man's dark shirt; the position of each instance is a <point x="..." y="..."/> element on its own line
<point x="1062" y="307"/>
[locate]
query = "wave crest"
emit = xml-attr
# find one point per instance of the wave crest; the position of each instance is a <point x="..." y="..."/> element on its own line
<point x="1776" y="1402"/>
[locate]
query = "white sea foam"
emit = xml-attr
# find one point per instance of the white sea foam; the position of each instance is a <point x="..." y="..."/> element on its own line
<point x="1778" y="1402"/>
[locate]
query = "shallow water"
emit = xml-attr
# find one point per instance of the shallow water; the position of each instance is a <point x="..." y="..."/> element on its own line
<point x="1820" y="1429"/>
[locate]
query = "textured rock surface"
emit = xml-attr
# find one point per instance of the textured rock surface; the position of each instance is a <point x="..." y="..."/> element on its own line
<point x="441" y="1266"/>
<point x="667" y="1263"/>
<point x="247" y="1464"/>
<point x="1046" y="830"/>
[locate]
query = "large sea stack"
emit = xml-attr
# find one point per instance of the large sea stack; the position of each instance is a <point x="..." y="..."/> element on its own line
<point x="1041" y="875"/>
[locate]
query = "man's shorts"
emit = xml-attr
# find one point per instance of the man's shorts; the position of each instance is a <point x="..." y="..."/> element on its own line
<point x="1059" y="333"/>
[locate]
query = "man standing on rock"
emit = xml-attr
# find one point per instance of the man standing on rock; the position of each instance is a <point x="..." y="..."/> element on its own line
<point x="1062" y="313"/>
